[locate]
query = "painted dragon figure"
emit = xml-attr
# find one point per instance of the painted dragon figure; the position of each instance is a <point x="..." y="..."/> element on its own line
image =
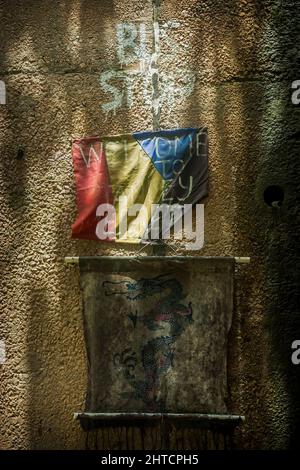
<point x="156" y="355"/>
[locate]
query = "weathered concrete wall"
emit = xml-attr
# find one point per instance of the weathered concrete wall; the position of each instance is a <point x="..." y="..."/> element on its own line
<point x="85" y="67"/>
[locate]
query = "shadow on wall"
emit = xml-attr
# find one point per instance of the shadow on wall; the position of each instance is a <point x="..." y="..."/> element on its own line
<point x="38" y="119"/>
<point x="278" y="227"/>
<point x="231" y="113"/>
<point x="255" y="126"/>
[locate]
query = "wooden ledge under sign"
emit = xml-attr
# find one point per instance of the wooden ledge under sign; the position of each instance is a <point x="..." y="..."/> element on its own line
<point x="75" y="259"/>
<point x="90" y="420"/>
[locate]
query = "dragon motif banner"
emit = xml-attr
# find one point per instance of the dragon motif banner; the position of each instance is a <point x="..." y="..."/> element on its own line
<point x="120" y="180"/>
<point x="156" y="333"/>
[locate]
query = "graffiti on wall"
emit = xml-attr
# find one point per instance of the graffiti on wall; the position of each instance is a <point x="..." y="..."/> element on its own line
<point x="142" y="68"/>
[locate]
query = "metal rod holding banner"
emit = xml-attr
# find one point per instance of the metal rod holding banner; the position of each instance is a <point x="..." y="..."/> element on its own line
<point x="75" y="259"/>
<point x="242" y="259"/>
<point x="72" y="260"/>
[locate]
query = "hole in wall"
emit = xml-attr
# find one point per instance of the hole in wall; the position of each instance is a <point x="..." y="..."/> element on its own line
<point x="274" y="196"/>
<point x="20" y="154"/>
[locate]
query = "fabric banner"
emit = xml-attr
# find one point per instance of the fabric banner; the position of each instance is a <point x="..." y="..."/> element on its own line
<point x="119" y="179"/>
<point x="156" y="333"/>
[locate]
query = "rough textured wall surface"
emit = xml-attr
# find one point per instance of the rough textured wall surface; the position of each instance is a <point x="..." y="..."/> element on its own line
<point x="86" y="67"/>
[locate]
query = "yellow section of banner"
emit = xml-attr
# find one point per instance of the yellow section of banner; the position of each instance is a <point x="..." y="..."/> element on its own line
<point x="136" y="185"/>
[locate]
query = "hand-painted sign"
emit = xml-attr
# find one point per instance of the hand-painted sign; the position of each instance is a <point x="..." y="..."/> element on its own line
<point x="124" y="182"/>
<point x="156" y="333"/>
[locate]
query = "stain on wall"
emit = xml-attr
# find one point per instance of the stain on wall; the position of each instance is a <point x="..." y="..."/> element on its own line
<point x="90" y="67"/>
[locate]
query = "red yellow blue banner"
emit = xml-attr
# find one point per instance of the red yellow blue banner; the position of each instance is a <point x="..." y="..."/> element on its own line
<point x="120" y="179"/>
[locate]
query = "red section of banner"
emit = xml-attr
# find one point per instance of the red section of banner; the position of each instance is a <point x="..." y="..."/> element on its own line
<point x="92" y="185"/>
